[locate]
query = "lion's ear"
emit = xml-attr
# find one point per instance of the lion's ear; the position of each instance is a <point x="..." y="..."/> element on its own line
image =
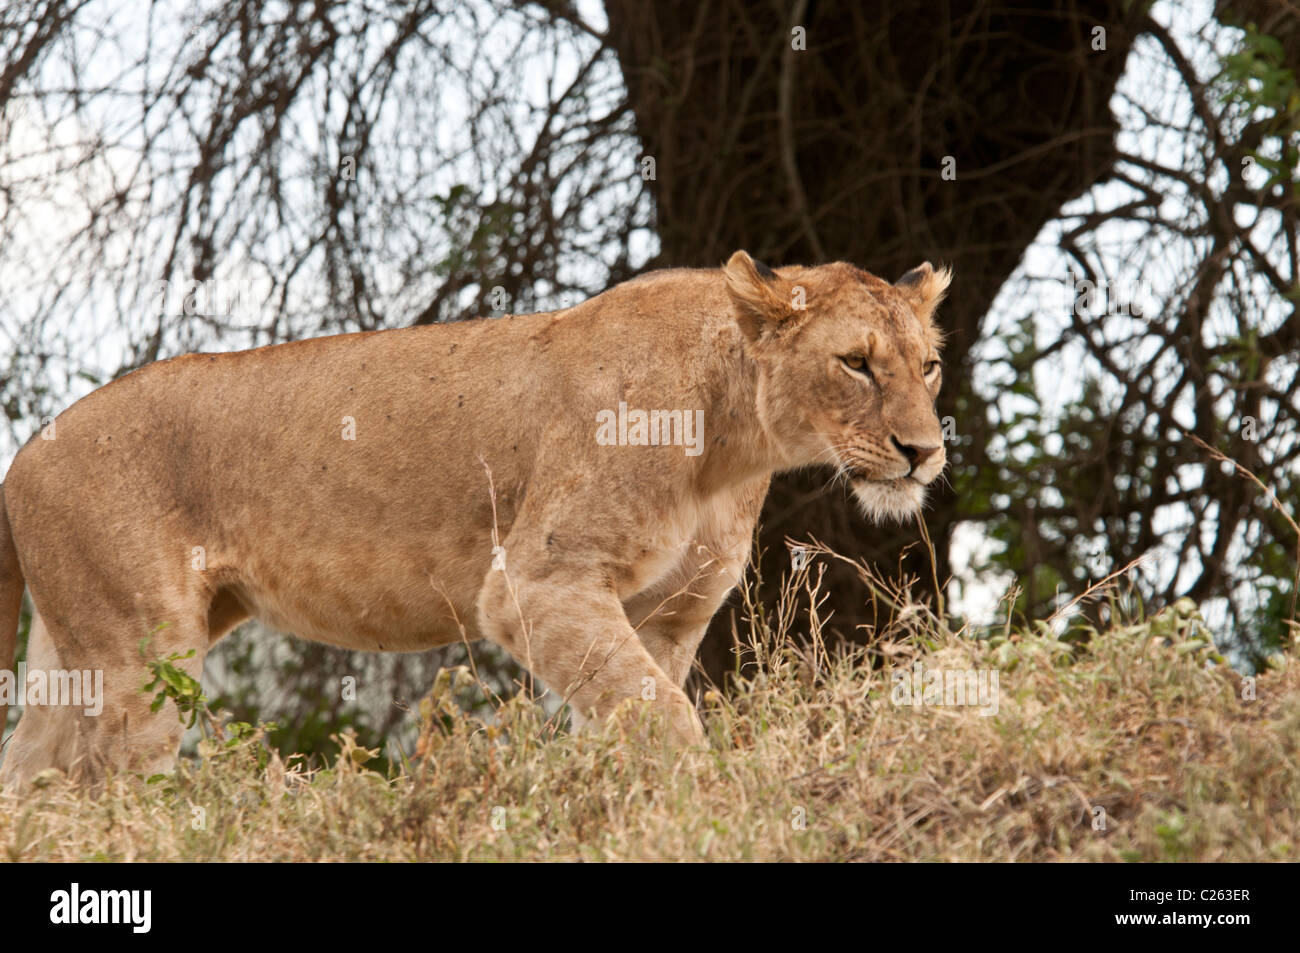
<point x="925" y="287"/>
<point x="761" y="297"/>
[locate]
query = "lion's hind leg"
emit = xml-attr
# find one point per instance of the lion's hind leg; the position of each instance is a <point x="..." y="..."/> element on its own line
<point x="46" y="735"/>
<point x="95" y="717"/>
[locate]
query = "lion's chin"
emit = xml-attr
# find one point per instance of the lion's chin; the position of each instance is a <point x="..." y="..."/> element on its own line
<point x="884" y="500"/>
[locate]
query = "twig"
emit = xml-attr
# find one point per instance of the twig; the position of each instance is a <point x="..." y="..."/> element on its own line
<point x="1242" y="471"/>
<point x="1099" y="585"/>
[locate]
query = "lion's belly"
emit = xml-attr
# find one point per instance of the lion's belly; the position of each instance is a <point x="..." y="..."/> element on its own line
<point x="375" y="606"/>
<point x="355" y="631"/>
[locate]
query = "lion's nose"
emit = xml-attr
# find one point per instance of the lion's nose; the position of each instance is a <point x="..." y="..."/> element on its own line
<point x="915" y="455"/>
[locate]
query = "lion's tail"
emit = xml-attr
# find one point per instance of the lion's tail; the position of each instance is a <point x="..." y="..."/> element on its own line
<point x="11" y="598"/>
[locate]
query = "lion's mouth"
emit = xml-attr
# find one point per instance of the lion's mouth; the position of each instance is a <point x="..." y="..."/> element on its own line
<point x="858" y="476"/>
<point x="889" y="499"/>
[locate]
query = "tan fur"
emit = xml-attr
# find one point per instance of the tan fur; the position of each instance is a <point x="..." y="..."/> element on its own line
<point x="615" y="557"/>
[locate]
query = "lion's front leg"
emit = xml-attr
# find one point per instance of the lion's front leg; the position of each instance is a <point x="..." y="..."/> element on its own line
<point x="672" y="617"/>
<point x="569" y="629"/>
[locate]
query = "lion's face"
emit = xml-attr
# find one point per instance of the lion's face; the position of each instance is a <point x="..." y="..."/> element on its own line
<point x="848" y="374"/>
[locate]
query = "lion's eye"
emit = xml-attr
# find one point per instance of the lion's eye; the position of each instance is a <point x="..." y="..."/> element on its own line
<point x="931" y="367"/>
<point x="856" y="362"/>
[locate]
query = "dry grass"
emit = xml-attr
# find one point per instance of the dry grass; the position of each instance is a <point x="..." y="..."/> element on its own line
<point x="1137" y="746"/>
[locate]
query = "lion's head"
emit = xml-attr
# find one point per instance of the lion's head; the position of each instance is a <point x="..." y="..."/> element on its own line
<point x="848" y="373"/>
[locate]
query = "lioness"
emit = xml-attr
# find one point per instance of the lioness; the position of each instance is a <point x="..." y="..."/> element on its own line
<point x="580" y="487"/>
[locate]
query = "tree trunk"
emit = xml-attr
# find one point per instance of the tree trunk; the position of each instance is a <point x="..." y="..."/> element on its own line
<point x="837" y="151"/>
